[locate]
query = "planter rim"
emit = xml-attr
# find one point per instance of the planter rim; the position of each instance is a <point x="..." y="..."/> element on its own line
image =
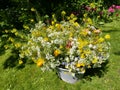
<point x="65" y="69"/>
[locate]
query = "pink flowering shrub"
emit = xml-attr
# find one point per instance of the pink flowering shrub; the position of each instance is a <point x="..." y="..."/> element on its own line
<point x="114" y="11"/>
<point x="117" y="7"/>
<point x="113" y="8"/>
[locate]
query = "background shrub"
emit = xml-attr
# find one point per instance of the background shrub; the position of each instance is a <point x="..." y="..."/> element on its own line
<point x="17" y="13"/>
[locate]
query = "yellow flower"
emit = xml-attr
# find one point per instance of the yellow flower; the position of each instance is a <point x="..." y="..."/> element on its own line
<point x="56" y="52"/>
<point x="85" y="32"/>
<point x="63" y="13"/>
<point x="40" y="62"/>
<point x="51" y="27"/>
<point x="87" y="52"/>
<point x="31" y="20"/>
<point x="58" y="25"/>
<point x="98" y="16"/>
<point x="11" y="39"/>
<point x="82" y="70"/>
<point x="6" y="31"/>
<point x="20" y="62"/>
<point x="46" y="39"/>
<point x="76" y="24"/>
<point x="89" y="66"/>
<point x="53" y="22"/>
<point x="82" y="55"/>
<point x="71" y="21"/>
<point x="61" y="46"/>
<point x="100" y="50"/>
<point x="27" y="52"/>
<point x="100" y="40"/>
<point x="94" y="60"/>
<point x="72" y="15"/>
<point x="53" y="16"/>
<point x="89" y="21"/>
<point x="80" y="65"/>
<point x="16" y="33"/>
<point x="85" y="15"/>
<point x="32" y="9"/>
<point x="6" y="46"/>
<point x="92" y="5"/>
<point x="68" y="18"/>
<point x="107" y="36"/>
<point x="26" y="27"/>
<point x="17" y="45"/>
<point x="84" y="19"/>
<point x="21" y="36"/>
<point x="74" y="19"/>
<point x="82" y="43"/>
<point x="14" y="30"/>
<point x="71" y="34"/>
<point x="33" y="58"/>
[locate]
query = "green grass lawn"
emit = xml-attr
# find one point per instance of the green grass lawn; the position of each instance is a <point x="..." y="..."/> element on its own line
<point x="32" y="78"/>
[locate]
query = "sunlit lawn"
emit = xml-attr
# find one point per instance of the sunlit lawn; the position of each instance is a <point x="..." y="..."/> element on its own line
<point x="32" y="78"/>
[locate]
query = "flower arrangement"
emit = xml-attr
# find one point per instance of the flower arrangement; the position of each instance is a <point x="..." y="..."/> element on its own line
<point x="66" y="44"/>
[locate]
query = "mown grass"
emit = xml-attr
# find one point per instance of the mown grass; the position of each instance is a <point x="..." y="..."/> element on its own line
<point x="31" y="77"/>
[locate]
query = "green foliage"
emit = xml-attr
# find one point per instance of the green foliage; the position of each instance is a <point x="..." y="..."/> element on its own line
<point x="111" y="2"/>
<point x="16" y="14"/>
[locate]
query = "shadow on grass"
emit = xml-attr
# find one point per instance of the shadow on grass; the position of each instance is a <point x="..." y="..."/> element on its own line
<point x="13" y="61"/>
<point x="96" y="72"/>
<point x="10" y="62"/>
<point x="110" y="31"/>
<point x="117" y="53"/>
<point x="2" y="50"/>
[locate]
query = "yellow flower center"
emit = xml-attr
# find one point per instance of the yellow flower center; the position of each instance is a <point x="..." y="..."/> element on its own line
<point x="80" y="65"/>
<point x="40" y="62"/>
<point x="56" y="52"/>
